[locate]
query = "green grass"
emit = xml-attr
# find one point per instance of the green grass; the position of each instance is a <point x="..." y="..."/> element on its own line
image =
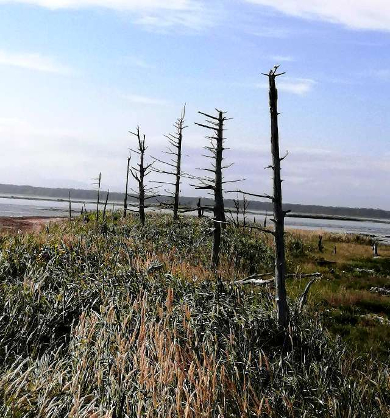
<point x="121" y="320"/>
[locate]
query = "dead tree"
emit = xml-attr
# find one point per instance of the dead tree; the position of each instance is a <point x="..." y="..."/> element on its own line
<point x="215" y="183"/>
<point x="105" y="206"/>
<point x="279" y="213"/>
<point x="139" y="173"/>
<point x="173" y="167"/>
<point x="240" y="208"/>
<point x="70" y="208"/>
<point x="98" y="184"/>
<point x="127" y="188"/>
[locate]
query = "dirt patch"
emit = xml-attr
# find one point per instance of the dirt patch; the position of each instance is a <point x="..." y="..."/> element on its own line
<point x="25" y="224"/>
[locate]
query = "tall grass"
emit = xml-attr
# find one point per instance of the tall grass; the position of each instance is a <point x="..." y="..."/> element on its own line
<point x="89" y="329"/>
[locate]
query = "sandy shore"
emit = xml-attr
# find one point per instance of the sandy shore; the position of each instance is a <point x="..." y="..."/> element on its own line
<point x="26" y="223"/>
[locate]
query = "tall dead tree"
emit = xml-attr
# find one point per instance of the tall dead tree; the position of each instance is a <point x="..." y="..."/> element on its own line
<point x="279" y="213"/>
<point x="139" y="173"/>
<point x="127" y="188"/>
<point x="173" y="167"/>
<point x="215" y="183"/>
<point x="98" y="184"/>
<point x="70" y="208"/>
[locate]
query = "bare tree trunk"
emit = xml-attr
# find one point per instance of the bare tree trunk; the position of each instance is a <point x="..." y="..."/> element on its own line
<point x="173" y="167"/>
<point x="178" y="170"/>
<point x="219" y="207"/>
<point x="127" y="188"/>
<point x="139" y="173"/>
<point x="215" y="184"/>
<point x="70" y="208"/>
<point x="141" y="187"/>
<point x="99" y="182"/>
<point x="105" y="206"/>
<point x="279" y="214"/>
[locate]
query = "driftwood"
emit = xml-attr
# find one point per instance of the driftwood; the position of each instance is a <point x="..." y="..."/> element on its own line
<point x="303" y="298"/>
<point x="381" y="290"/>
<point x="359" y="270"/>
<point x="255" y="279"/>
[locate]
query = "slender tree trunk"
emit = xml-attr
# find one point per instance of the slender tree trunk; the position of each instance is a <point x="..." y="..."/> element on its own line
<point x="280" y="262"/>
<point x="127" y="187"/>
<point x="70" y="208"/>
<point x="98" y="197"/>
<point x="105" y="206"/>
<point x="178" y="174"/>
<point x="219" y="208"/>
<point x="141" y="189"/>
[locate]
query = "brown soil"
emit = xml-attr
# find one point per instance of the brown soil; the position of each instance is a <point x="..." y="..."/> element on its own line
<point x="25" y="224"/>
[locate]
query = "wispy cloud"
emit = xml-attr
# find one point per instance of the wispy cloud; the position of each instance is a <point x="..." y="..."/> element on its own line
<point x="299" y="86"/>
<point x="356" y="14"/>
<point x="32" y="61"/>
<point x="271" y="32"/>
<point x="145" y="100"/>
<point x="137" y="62"/>
<point x="281" y="58"/>
<point x="383" y="74"/>
<point x="157" y="14"/>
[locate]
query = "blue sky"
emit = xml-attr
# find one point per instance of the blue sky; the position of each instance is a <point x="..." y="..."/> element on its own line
<point x="76" y="76"/>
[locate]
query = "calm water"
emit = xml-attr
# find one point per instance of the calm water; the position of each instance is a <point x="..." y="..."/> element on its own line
<point x="25" y="207"/>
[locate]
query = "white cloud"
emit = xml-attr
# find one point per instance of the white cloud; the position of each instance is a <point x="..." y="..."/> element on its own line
<point x="160" y="14"/>
<point x="357" y="14"/>
<point x="34" y="62"/>
<point x="145" y="100"/>
<point x="297" y="86"/>
<point x="109" y="4"/>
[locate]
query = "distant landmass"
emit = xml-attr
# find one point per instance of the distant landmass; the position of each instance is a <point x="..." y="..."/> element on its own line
<point x="90" y="195"/>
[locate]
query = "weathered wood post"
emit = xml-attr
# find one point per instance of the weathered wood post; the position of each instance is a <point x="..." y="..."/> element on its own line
<point x="320" y="246"/>
<point x="279" y="214"/>
<point x="375" y="249"/>
<point x="199" y="206"/>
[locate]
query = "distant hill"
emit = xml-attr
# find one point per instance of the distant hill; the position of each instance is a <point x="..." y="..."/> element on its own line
<point x="83" y="194"/>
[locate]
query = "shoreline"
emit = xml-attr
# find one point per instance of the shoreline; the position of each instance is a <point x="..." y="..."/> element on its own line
<point x="26" y="223"/>
<point x="15" y="224"/>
